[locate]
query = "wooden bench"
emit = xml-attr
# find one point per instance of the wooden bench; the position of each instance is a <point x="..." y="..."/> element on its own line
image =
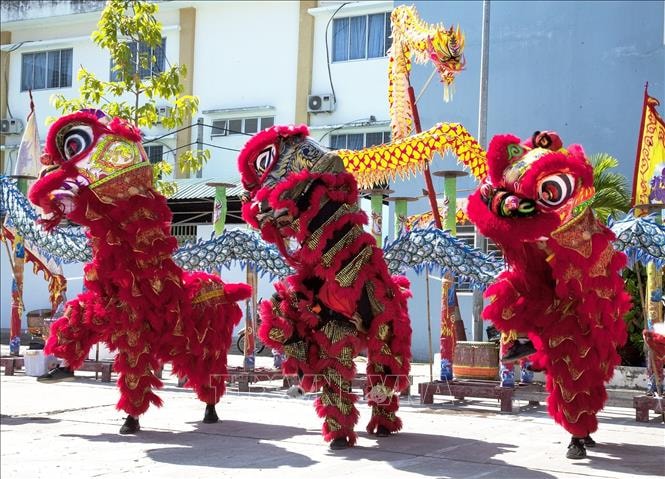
<point x="644" y="404"/>
<point x="461" y="388"/>
<point x="11" y="363"/>
<point x="104" y="367"/>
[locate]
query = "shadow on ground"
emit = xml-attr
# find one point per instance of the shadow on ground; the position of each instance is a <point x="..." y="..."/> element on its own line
<point x="8" y="420"/>
<point x="237" y="444"/>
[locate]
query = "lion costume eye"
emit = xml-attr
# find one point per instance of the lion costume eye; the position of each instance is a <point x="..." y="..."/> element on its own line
<point x="76" y="140"/>
<point x="555" y="189"/>
<point x="265" y="159"/>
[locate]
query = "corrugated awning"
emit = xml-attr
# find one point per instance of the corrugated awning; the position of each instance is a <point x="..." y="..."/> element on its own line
<point x="197" y="188"/>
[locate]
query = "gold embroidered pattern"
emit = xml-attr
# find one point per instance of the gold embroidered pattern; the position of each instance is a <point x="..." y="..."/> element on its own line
<point x="336" y="378"/>
<point x="345" y="241"/>
<point x="332" y="424"/>
<point x="296" y="350"/>
<point x="572" y="273"/>
<point x="346" y="357"/>
<point x="573" y="419"/>
<point x="206" y="296"/>
<point x="377" y="307"/>
<point x="599" y="268"/>
<point x="379" y="411"/>
<point x="347" y="275"/>
<point x="313" y="241"/>
<point x="557" y="340"/>
<point x="577" y="234"/>
<point x="383" y="331"/>
<point x="566" y="395"/>
<point x="507" y="313"/>
<point x="328" y="399"/>
<point x="336" y="330"/>
<point x="277" y="335"/>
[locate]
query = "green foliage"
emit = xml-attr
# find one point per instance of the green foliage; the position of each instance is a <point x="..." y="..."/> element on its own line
<point x="632" y="353"/>
<point x="612" y="194"/>
<point x="123" y="22"/>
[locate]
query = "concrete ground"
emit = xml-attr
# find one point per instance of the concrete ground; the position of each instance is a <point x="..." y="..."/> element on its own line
<point x="70" y="430"/>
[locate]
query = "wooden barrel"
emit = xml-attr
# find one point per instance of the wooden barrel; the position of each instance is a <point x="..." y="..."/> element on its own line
<point x="476" y="360"/>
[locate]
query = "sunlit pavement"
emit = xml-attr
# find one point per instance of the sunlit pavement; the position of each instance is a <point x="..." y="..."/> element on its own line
<point x="71" y="430"/>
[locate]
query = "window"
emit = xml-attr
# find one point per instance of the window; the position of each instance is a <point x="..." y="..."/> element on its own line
<point x="155" y="153"/>
<point x="358" y="141"/>
<point x="41" y="70"/>
<point x="150" y="60"/>
<point x="238" y="126"/>
<point x="357" y="38"/>
<point x="184" y="233"/>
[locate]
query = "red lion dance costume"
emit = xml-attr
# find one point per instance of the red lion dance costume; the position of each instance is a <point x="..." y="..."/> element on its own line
<point x="342" y="298"/>
<point x="138" y="300"/>
<point x="562" y="285"/>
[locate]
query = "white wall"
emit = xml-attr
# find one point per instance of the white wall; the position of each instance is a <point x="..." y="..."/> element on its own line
<point x="246" y="56"/>
<point x="361" y="86"/>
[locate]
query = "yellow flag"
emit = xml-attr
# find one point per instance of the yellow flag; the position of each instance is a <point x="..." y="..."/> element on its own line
<point x="649" y="180"/>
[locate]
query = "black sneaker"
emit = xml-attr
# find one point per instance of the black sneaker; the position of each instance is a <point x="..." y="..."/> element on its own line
<point x="339" y="444"/>
<point x="589" y="442"/>
<point x="518" y="351"/>
<point x="576" y="449"/>
<point x="57" y="375"/>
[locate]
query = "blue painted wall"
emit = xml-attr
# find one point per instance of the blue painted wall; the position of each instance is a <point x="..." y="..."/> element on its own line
<point x="578" y="68"/>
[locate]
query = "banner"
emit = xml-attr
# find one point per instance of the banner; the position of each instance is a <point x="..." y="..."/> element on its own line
<point x="27" y="161"/>
<point x="649" y="178"/>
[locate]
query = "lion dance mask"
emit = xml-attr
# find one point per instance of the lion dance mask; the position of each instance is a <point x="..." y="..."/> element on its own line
<point x="562" y="285"/>
<point x="341" y="299"/>
<point x="136" y="299"/>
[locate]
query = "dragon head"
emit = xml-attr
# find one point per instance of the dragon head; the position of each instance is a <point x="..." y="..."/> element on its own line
<point x="266" y="161"/>
<point x="445" y="48"/>
<point x="535" y="184"/>
<point x="84" y="150"/>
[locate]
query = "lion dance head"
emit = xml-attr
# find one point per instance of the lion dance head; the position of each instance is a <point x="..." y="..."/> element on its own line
<point x="532" y="187"/>
<point x="270" y="164"/>
<point x="83" y="151"/>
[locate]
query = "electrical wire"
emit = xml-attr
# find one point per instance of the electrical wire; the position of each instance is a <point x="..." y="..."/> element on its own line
<point x="332" y="88"/>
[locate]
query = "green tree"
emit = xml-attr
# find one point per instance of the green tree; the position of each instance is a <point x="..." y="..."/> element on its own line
<point x="129" y="31"/>
<point x="611" y="195"/>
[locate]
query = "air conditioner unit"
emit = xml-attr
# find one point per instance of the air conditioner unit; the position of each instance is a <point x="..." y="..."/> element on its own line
<point x="162" y="112"/>
<point x="11" y="126"/>
<point x="321" y="103"/>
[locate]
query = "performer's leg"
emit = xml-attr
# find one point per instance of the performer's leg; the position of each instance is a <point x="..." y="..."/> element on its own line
<point x="339" y="345"/>
<point x="72" y="336"/>
<point x="387" y="374"/>
<point x="135" y="363"/>
<point x="506" y="369"/>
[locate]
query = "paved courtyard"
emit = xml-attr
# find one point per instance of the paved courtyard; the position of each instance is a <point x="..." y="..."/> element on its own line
<point x="70" y="430"/>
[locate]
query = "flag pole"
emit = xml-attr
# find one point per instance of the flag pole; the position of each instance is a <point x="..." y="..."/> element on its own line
<point x="639" y="143"/>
